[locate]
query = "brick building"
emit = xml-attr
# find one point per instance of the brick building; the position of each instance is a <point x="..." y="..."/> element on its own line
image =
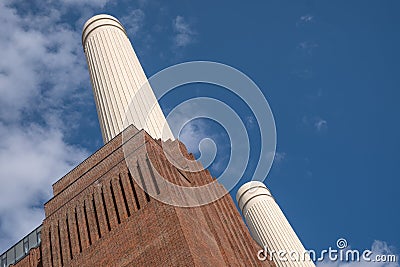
<point x="100" y="216"/>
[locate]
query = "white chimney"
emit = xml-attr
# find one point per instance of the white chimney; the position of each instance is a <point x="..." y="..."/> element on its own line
<point x="117" y="76"/>
<point x="269" y="226"/>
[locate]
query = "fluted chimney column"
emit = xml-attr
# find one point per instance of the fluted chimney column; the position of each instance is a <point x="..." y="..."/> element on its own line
<point x="117" y="76"/>
<point x="269" y="226"/>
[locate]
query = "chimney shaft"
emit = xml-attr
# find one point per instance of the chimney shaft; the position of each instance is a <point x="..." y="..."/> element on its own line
<point x="269" y="226"/>
<point x="117" y="76"/>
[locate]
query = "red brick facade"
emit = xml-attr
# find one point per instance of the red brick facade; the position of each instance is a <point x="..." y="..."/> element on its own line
<point x="100" y="216"/>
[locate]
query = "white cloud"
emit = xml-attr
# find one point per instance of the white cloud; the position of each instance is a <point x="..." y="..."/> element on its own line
<point x="317" y="123"/>
<point x="143" y="3"/>
<point x="31" y="159"/>
<point x="378" y="248"/>
<point x="93" y="3"/>
<point x="279" y="156"/>
<point x="308" y="46"/>
<point x="250" y="121"/>
<point x="191" y="135"/>
<point x="321" y="124"/>
<point x="39" y="58"/>
<point x="306" y="18"/>
<point x="197" y="134"/>
<point x="192" y="129"/>
<point x="184" y="33"/>
<point x="305" y="73"/>
<point x="42" y="75"/>
<point x="133" y="22"/>
<point x="189" y="131"/>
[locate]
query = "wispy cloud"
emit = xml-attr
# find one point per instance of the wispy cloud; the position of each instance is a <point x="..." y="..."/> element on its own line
<point x="321" y="124"/>
<point x="184" y="33"/>
<point x="143" y="3"/>
<point x="306" y="73"/>
<point x="250" y="121"/>
<point x="188" y="123"/>
<point x="279" y="156"/>
<point x="192" y="134"/>
<point x="316" y="122"/>
<point x="43" y="80"/>
<point x="305" y="19"/>
<point x="133" y="22"/>
<point x="190" y="131"/>
<point x="39" y="57"/>
<point x="93" y="3"/>
<point x="308" y="47"/>
<point x="31" y="159"/>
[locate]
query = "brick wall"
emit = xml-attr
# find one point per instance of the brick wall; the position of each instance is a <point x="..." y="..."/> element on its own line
<point x="101" y="216"/>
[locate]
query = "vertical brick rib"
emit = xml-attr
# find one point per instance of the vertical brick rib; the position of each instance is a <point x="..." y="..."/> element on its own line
<point x="124" y="196"/>
<point x="51" y="248"/>
<point x="166" y="174"/>
<point x="55" y="244"/>
<point x="81" y="225"/>
<point x="153" y="178"/>
<point x="128" y="192"/>
<point x="96" y="215"/>
<point x="86" y="223"/>
<point x="109" y="204"/>
<point x="91" y="217"/>
<point x="114" y="202"/>
<point x="68" y="237"/>
<point x="60" y="243"/>
<point x="102" y="201"/>
<point x="134" y="190"/>
<point x="142" y="180"/>
<point x="73" y="232"/>
<point x="119" y="198"/>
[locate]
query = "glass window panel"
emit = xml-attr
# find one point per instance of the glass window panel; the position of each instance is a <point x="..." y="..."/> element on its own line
<point x="39" y="237"/>
<point x="11" y="256"/>
<point x="32" y="240"/>
<point x="4" y="260"/>
<point x="19" y="250"/>
<point x="26" y="245"/>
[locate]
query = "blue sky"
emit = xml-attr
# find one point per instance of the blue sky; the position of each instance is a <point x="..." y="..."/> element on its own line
<point x="329" y="70"/>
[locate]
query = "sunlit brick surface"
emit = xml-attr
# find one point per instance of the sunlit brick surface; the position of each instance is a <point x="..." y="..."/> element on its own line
<point x="99" y="216"/>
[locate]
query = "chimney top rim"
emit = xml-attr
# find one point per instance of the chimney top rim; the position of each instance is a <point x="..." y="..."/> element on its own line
<point x="97" y="21"/>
